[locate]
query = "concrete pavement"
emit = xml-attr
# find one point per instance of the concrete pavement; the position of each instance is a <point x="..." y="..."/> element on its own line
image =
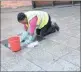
<point x="59" y="52"/>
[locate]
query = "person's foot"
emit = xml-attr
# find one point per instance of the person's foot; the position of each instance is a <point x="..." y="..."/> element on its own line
<point x="53" y="29"/>
<point x="56" y="26"/>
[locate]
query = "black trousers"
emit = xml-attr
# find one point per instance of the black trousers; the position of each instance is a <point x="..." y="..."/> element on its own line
<point x="46" y="29"/>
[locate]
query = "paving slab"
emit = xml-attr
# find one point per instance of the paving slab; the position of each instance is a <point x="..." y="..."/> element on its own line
<point x="73" y="57"/>
<point x="40" y="57"/>
<point x="73" y="42"/>
<point x="25" y="65"/>
<point x="60" y="37"/>
<point x="57" y="49"/>
<point x="44" y="55"/>
<point x="11" y="61"/>
<point x="61" y="65"/>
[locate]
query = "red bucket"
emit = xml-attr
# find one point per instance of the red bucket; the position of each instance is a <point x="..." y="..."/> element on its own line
<point x="14" y="43"/>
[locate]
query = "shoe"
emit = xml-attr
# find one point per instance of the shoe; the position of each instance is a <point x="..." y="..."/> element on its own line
<point x="53" y="29"/>
<point x="56" y="27"/>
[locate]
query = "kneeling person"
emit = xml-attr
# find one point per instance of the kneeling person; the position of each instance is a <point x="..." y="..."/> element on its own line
<point x="39" y="21"/>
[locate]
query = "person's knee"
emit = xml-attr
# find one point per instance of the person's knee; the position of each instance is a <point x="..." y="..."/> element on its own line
<point x="38" y="31"/>
<point x="42" y="34"/>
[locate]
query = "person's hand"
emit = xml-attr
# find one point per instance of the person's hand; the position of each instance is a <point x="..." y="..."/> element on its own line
<point x="23" y="36"/>
<point x="29" y="40"/>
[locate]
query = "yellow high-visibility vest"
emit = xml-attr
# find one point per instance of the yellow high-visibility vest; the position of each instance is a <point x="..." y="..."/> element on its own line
<point x="42" y="17"/>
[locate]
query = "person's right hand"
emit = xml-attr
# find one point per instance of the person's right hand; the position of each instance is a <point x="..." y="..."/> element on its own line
<point x="29" y="40"/>
<point x="23" y="36"/>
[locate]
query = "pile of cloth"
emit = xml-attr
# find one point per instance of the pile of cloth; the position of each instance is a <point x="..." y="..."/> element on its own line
<point x="27" y="40"/>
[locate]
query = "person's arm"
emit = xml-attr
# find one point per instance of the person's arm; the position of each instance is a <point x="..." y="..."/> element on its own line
<point x="33" y="23"/>
<point x="32" y="29"/>
<point x="25" y="27"/>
